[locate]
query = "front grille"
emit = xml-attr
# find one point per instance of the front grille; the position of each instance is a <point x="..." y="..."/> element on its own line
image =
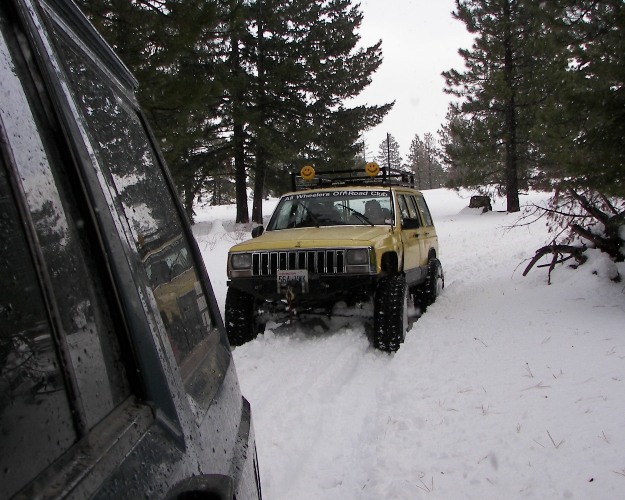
<point x="316" y="261"/>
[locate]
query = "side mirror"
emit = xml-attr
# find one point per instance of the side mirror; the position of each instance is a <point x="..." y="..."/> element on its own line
<point x="410" y="224"/>
<point x="257" y="231"/>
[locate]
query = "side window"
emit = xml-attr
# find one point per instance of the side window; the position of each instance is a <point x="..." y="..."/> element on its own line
<point x="412" y="207"/>
<point x="425" y="211"/>
<point x="412" y="202"/>
<point x="408" y="209"/>
<point x="134" y="175"/>
<point x="403" y="207"/>
<point x="34" y="409"/>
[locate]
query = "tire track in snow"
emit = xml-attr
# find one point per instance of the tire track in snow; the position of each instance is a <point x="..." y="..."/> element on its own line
<point x="327" y="387"/>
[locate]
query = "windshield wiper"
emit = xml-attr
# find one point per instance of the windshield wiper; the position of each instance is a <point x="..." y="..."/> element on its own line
<point x="362" y="217"/>
<point x="312" y="216"/>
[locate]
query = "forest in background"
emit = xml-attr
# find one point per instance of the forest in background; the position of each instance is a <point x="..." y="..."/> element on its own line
<point x="241" y="92"/>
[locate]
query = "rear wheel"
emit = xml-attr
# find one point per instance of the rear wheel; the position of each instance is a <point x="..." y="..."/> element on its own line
<point x="434" y="283"/>
<point x="390" y="315"/>
<point x="242" y="324"/>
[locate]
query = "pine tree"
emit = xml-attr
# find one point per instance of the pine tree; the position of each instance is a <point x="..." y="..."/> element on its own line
<point x="416" y="159"/>
<point x="512" y="71"/>
<point x="308" y="64"/>
<point x="254" y="85"/>
<point x="173" y="49"/>
<point x="388" y="153"/>
<point x="587" y="145"/>
<point x="237" y="87"/>
<point x="424" y="161"/>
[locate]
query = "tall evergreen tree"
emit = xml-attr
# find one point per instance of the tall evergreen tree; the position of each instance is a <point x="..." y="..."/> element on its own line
<point x="586" y="149"/>
<point x="308" y="64"/>
<point x="388" y="153"/>
<point x="252" y="84"/>
<point x="173" y="48"/>
<point x="424" y="161"/>
<point x="512" y="70"/>
<point x="416" y="159"/>
<point x="237" y="87"/>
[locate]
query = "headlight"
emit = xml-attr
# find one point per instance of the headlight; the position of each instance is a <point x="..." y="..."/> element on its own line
<point x="358" y="257"/>
<point x="240" y="261"/>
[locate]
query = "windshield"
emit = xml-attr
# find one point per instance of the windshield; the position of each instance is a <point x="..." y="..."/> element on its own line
<point x="333" y="208"/>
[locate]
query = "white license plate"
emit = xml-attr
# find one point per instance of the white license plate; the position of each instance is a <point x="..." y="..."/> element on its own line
<point x="297" y="279"/>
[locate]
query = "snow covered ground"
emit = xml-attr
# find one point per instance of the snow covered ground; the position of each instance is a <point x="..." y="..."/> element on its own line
<point x="505" y="388"/>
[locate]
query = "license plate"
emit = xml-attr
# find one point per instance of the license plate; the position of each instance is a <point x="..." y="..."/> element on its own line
<point x="296" y="279"/>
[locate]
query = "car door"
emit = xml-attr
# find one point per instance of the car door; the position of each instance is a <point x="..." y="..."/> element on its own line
<point x="412" y="237"/>
<point x="430" y="239"/>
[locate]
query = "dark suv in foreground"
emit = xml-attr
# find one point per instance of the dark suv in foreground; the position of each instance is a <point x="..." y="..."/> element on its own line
<point x="116" y="376"/>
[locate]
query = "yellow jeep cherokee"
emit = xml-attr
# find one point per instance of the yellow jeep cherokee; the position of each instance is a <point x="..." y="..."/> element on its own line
<point x="340" y="237"/>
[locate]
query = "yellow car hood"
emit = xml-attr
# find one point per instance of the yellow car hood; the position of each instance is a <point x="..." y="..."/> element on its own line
<point x="316" y="237"/>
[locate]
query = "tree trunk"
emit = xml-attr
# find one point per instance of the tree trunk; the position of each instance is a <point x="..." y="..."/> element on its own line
<point x="511" y="167"/>
<point x="189" y="197"/>
<point x="240" y="176"/>
<point x="259" y="187"/>
<point x="238" y="139"/>
<point x="430" y="169"/>
<point x="261" y="159"/>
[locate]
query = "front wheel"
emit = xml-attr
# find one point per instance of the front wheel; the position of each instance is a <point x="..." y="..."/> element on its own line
<point x="390" y="313"/>
<point x="240" y="318"/>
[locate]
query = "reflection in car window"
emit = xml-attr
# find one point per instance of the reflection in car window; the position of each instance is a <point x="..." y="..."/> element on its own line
<point x="92" y="351"/>
<point x="34" y="409"/>
<point x="135" y="176"/>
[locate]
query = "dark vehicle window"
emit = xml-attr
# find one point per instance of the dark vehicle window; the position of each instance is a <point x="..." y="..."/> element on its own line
<point x="133" y="173"/>
<point x="34" y="408"/>
<point x="425" y="211"/>
<point x="89" y="344"/>
<point x="408" y="210"/>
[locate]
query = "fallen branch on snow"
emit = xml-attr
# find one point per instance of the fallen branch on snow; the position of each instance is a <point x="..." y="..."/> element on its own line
<point x="558" y="251"/>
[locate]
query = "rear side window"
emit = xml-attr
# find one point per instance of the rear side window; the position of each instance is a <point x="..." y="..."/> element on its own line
<point x="133" y="173"/>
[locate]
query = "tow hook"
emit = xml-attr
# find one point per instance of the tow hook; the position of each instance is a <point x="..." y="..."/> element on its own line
<point x="290" y="300"/>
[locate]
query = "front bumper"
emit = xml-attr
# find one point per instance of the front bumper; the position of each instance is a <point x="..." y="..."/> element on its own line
<point x="323" y="290"/>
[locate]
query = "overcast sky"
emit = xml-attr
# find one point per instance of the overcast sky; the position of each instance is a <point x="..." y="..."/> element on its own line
<point x="420" y="39"/>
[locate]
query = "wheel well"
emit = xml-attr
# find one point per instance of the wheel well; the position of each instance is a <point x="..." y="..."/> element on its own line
<point x="431" y="254"/>
<point x="390" y="263"/>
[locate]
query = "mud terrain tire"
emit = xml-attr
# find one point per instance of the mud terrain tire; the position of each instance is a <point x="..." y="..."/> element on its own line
<point x="390" y="313"/>
<point x="240" y="321"/>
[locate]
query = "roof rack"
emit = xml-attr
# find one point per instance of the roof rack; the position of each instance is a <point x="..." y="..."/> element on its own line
<point x="352" y="177"/>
